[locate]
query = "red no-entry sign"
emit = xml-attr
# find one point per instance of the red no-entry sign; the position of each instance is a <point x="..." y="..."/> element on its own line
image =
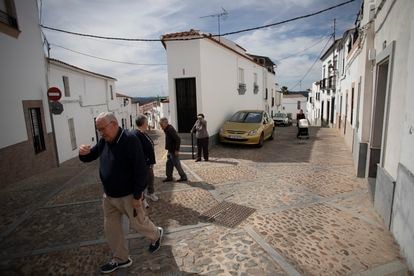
<point x="54" y="94"/>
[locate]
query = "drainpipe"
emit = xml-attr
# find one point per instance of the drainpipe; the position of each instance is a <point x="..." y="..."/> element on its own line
<point x="48" y="105"/>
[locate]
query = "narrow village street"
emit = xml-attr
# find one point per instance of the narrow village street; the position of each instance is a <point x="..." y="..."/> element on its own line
<point x="292" y="207"/>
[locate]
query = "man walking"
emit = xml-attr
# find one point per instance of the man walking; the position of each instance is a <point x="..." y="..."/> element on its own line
<point x="148" y="147"/>
<point x="172" y="145"/>
<point x="123" y="175"/>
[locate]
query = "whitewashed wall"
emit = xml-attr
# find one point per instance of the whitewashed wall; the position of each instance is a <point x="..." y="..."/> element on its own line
<point x="289" y="105"/>
<point x="216" y="71"/>
<point x="23" y="75"/>
<point x="398" y="22"/>
<point x="314" y="108"/>
<point x="183" y="61"/>
<point x="395" y="23"/>
<point x="89" y="96"/>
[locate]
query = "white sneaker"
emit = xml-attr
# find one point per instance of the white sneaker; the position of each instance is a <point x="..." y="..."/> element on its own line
<point x="153" y="197"/>
<point x="146" y="205"/>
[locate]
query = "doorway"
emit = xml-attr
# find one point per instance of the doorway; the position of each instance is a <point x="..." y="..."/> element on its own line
<point x="378" y="117"/>
<point x="186" y="104"/>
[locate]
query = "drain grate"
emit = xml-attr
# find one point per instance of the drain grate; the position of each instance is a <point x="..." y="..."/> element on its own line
<point x="227" y="214"/>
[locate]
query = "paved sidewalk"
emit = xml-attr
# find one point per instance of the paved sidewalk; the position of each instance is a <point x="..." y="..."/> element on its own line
<point x="293" y="207"/>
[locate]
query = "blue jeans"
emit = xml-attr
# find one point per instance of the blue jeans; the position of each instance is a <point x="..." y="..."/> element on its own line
<point x="174" y="161"/>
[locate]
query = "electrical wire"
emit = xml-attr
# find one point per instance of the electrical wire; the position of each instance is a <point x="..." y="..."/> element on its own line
<point x="217" y="35"/>
<point x="288" y="20"/>
<point x="111" y="60"/>
<point x="303" y="50"/>
<point x="316" y="60"/>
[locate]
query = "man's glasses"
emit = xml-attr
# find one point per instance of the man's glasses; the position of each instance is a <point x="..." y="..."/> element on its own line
<point x="101" y="129"/>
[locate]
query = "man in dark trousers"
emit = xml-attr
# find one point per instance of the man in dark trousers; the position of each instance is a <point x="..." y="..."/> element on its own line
<point x="123" y="174"/>
<point x="172" y="145"/>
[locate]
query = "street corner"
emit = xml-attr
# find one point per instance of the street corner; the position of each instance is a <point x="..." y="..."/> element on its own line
<point x="325" y="239"/>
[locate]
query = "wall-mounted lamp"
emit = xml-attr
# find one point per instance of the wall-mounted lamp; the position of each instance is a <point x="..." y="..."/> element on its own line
<point x="126" y="101"/>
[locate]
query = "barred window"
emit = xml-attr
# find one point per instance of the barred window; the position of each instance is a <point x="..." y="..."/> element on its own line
<point x="37" y="130"/>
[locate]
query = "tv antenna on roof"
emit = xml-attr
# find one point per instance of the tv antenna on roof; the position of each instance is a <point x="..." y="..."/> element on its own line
<point x="221" y="15"/>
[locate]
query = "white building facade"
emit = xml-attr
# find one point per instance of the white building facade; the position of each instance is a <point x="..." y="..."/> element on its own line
<point x="314" y="105"/>
<point x="391" y="140"/>
<point x="127" y="111"/>
<point x="293" y="103"/>
<point x="213" y="77"/>
<point x="374" y="111"/>
<point x="26" y="140"/>
<point x="85" y="94"/>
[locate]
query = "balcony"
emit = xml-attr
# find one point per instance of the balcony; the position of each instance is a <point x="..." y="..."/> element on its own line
<point x="332" y="83"/>
<point x="322" y="83"/>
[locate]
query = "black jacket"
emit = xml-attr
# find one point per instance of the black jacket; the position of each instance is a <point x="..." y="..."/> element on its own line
<point x="147" y="146"/>
<point x="122" y="165"/>
<point x="172" y="140"/>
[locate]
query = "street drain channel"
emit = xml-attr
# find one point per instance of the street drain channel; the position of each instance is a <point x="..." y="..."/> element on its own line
<point x="227" y="214"/>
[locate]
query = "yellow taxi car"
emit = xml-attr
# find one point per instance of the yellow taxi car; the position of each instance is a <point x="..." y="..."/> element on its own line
<point x="251" y="127"/>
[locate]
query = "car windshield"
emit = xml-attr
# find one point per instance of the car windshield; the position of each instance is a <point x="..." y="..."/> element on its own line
<point x="246" y="117"/>
<point x="280" y="115"/>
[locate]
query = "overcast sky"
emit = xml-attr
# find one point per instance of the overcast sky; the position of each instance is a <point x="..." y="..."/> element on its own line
<point x="287" y="45"/>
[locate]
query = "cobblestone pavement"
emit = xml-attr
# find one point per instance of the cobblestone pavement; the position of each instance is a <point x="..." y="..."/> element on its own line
<point x="310" y="216"/>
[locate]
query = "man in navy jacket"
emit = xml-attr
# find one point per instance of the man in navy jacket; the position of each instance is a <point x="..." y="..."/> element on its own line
<point x="172" y="145"/>
<point x="123" y="175"/>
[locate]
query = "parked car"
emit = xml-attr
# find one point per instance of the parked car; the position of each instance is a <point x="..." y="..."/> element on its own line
<point x="282" y="119"/>
<point x="250" y="127"/>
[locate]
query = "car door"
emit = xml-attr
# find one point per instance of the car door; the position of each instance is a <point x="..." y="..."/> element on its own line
<point x="267" y="124"/>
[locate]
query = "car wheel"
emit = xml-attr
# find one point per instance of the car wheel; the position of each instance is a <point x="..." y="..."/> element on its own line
<point x="261" y="141"/>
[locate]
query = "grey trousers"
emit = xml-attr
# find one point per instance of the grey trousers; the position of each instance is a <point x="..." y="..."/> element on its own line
<point x="174" y="161"/>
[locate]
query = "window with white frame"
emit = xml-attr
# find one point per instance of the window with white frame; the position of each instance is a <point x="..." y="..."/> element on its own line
<point x="242" y="86"/>
<point x="241" y="75"/>
<point x="37" y="130"/>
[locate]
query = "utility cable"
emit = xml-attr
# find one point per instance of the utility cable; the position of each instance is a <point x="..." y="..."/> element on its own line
<point x="303" y="50"/>
<point x="288" y="20"/>
<point x="316" y="60"/>
<point x="111" y="60"/>
<point x="180" y="39"/>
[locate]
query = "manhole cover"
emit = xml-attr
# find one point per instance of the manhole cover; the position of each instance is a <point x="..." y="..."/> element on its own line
<point x="227" y="214"/>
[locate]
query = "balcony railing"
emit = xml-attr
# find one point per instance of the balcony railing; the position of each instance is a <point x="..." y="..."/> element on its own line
<point x="7" y="19"/>
<point x="323" y="83"/>
<point x="332" y="82"/>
